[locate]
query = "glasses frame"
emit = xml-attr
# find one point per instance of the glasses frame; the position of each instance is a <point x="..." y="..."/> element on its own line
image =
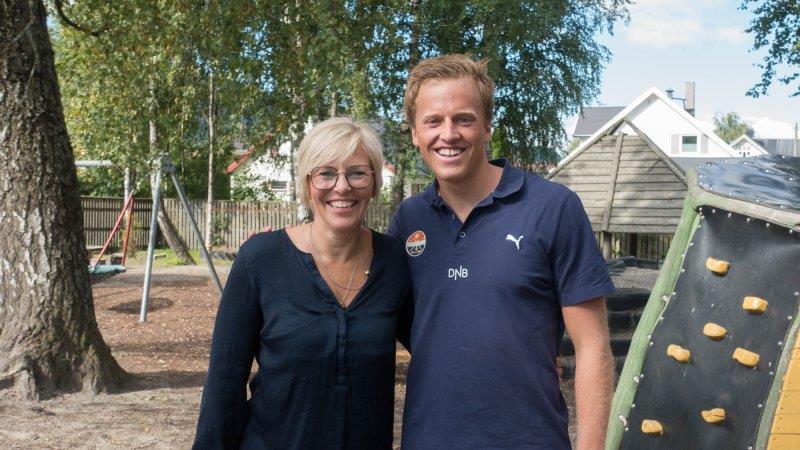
<point x="370" y="170"/>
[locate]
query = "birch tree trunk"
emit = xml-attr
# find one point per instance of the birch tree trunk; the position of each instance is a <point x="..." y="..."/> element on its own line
<point x="49" y="339"/>
<point x="399" y="180"/>
<point x="171" y="235"/>
<point x="212" y="123"/>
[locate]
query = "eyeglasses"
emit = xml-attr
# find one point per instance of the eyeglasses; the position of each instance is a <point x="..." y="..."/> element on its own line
<point x="358" y="177"/>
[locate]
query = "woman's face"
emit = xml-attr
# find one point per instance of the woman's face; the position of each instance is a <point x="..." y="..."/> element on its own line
<point x="342" y="207"/>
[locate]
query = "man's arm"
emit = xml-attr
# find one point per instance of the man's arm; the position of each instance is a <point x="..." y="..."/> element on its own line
<point x="587" y="327"/>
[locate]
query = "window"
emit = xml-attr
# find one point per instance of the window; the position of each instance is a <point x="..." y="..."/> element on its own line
<point x="744" y="151"/>
<point x="277" y="186"/>
<point x="688" y="144"/>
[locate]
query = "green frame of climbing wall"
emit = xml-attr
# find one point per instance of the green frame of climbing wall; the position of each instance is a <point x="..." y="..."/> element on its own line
<point x="662" y="291"/>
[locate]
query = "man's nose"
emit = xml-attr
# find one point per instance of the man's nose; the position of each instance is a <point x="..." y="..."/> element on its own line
<point x="450" y="131"/>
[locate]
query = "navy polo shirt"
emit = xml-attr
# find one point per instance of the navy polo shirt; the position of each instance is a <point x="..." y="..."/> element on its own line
<point x="487" y="323"/>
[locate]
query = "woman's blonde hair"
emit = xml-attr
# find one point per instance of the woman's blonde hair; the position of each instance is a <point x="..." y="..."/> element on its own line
<point x="335" y="140"/>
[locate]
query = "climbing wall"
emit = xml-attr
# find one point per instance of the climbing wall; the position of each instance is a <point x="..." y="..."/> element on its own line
<point x="715" y="361"/>
<point x="716" y="345"/>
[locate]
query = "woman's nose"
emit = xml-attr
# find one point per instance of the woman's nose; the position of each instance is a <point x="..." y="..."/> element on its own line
<point x="342" y="185"/>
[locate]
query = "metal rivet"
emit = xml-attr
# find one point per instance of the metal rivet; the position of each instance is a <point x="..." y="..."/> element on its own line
<point x="691" y="244"/>
<point x="760" y="406"/>
<point x="796" y="294"/>
<point x="790" y="317"/>
<point x="771" y="373"/>
<point x="636" y="379"/>
<point x="633" y="405"/>
<point x="713" y="211"/>
<point x="748" y="220"/>
<point x="767" y="225"/>
<point x="729" y="214"/>
<point x="683" y="270"/>
<point x="780" y="343"/>
<point x="626" y="429"/>
<point x="665" y="298"/>
<point x="651" y="343"/>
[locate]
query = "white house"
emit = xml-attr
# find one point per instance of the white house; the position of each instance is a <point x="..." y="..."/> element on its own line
<point x="671" y="128"/>
<point x="751" y="146"/>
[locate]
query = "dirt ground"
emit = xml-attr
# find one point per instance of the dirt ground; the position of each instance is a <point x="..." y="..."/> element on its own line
<point x="167" y="358"/>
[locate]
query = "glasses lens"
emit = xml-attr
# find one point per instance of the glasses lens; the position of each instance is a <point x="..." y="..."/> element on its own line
<point x="323" y="177"/>
<point x="359" y="176"/>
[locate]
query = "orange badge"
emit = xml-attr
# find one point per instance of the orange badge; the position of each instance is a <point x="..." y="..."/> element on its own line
<point x="415" y="244"/>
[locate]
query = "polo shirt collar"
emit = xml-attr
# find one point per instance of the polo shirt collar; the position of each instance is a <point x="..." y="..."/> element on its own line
<point x="510" y="182"/>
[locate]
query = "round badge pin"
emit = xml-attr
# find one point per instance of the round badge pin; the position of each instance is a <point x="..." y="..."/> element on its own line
<point x="415" y="244"/>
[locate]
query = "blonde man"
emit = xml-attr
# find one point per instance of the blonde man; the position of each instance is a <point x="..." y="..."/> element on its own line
<point x="501" y="261"/>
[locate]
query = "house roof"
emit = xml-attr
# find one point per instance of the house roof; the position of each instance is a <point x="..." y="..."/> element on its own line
<point x="239" y="161"/>
<point x="748" y="139"/>
<point x="692" y="162"/>
<point x="652" y="92"/>
<point x="784" y="147"/>
<point x="591" y="118"/>
<point x="626" y="183"/>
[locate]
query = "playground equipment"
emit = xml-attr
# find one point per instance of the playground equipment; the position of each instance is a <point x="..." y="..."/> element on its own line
<point x="102" y="271"/>
<point x="163" y="162"/>
<point x="715" y="360"/>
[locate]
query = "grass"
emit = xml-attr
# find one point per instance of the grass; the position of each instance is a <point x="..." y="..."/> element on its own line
<point x="165" y="257"/>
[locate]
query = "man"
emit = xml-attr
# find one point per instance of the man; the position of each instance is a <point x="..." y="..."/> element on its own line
<point x="501" y="261"/>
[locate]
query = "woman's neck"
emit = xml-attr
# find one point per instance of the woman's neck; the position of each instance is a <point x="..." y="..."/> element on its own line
<point x="335" y="245"/>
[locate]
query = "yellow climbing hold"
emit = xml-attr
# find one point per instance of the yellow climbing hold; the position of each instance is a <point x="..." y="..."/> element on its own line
<point x="717" y="266"/>
<point x="679" y="353"/>
<point x="745" y="357"/>
<point x="652" y="427"/>
<point x="715" y="415"/>
<point x="714" y="331"/>
<point x="754" y="305"/>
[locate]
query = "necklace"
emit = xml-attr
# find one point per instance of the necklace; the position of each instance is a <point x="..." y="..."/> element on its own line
<point x="347" y="288"/>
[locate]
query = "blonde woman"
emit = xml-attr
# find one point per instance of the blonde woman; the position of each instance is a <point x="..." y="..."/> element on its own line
<point x="317" y="307"/>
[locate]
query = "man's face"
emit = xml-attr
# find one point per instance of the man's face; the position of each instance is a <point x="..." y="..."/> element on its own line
<point x="450" y="128"/>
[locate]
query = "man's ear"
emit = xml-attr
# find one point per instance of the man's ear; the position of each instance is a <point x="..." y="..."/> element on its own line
<point x="414" y="139"/>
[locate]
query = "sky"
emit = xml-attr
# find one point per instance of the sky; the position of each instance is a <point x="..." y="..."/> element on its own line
<point x="669" y="42"/>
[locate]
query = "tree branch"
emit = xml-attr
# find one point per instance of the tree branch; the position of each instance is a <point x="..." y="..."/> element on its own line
<point x="60" y="9"/>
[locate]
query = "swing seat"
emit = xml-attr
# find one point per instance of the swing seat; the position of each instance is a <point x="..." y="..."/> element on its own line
<point x="104" y="271"/>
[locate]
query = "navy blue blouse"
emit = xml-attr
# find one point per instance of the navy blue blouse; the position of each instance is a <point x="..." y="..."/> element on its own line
<point x="325" y="376"/>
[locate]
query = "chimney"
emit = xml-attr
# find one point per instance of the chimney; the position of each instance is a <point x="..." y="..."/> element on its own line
<point x="688" y="103"/>
<point x="671" y="93"/>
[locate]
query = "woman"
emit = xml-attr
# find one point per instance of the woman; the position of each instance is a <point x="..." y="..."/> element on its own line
<point x="316" y="305"/>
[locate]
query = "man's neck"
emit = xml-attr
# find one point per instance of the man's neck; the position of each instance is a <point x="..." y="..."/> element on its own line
<point x="462" y="196"/>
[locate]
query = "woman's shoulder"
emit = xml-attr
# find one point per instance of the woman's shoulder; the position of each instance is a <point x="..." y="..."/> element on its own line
<point x="263" y="243"/>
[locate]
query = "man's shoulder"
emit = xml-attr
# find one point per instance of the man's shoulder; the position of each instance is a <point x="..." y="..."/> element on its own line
<point x="412" y="207"/>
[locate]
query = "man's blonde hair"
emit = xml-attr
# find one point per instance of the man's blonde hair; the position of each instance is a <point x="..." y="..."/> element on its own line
<point x="335" y="140"/>
<point x="448" y="67"/>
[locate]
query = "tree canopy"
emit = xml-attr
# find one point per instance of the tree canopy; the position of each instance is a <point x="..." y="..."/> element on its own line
<point x="776" y="28"/>
<point x="730" y="126"/>
<point x="283" y="64"/>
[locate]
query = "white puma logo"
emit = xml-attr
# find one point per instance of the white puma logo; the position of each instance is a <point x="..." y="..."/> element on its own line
<point x="514" y="240"/>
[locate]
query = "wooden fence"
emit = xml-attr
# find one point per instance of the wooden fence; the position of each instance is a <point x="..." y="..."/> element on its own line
<point x="233" y="220"/>
<point x="644" y="246"/>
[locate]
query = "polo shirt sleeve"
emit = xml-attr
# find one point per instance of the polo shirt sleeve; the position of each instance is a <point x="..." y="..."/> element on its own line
<point x="579" y="270"/>
<point x="223" y="408"/>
